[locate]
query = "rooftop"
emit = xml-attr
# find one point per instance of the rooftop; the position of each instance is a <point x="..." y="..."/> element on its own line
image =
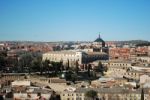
<point x="99" y="39"/>
<point x="112" y="90"/>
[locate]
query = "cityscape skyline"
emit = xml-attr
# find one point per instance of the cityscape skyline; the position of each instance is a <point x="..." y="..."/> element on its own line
<point x="74" y="50"/>
<point x="76" y="20"/>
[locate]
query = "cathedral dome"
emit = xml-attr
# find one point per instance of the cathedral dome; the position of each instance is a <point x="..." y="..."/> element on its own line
<point x="100" y="40"/>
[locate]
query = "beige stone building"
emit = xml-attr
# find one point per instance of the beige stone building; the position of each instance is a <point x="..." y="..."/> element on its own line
<point x="133" y="74"/>
<point x="108" y="82"/>
<point x="106" y="94"/>
<point x="73" y="56"/>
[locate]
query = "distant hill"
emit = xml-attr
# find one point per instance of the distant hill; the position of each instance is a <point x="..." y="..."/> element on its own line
<point x="131" y="42"/>
<point x="143" y="44"/>
<point x="134" y="42"/>
<point x="137" y="41"/>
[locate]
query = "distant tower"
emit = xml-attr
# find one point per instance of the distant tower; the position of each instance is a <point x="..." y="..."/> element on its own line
<point x="142" y="94"/>
<point x="99" y="35"/>
<point x="100" y="40"/>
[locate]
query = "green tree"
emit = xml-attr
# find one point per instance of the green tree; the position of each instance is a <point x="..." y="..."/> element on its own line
<point x="36" y="64"/>
<point x="74" y="77"/>
<point x="89" y="68"/>
<point x="77" y="67"/>
<point x="25" y="62"/>
<point x="56" y="67"/>
<point x="46" y="66"/>
<point x="142" y="94"/>
<point x="100" y="65"/>
<point x="91" y="94"/>
<point x="68" y="75"/>
<point x="100" y="68"/>
<point x="68" y="65"/>
<point x="12" y="62"/>
<point x="61" y="66"/>
<point x="3" y="61"/>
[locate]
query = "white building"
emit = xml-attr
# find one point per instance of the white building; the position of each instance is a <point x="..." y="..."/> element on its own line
<point x="64" y="56"/>
<point x="145" y="81"/>
<point x="144" y="59"/>
<point x="20" y="83"/>
<point x="73" y="56"/>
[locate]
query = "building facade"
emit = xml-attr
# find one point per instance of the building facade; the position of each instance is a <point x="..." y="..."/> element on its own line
<point x="107" y="94"/>
<point x="73" y="56"/>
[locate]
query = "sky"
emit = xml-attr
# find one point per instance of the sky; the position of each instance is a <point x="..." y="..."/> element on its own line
<point x="74" y="20"/>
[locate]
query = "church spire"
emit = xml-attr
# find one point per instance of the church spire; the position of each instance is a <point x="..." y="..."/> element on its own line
<point x="99" y="35"/>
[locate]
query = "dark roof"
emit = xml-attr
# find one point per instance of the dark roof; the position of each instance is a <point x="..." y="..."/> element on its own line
<point x="99" y="39"/>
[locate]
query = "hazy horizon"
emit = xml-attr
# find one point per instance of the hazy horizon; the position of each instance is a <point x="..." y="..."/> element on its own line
<point x="67" y="41"/>
<point x="74" y="20"/>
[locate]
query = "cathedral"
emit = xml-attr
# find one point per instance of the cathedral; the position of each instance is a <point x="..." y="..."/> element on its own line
<point x="99" y="45"/>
